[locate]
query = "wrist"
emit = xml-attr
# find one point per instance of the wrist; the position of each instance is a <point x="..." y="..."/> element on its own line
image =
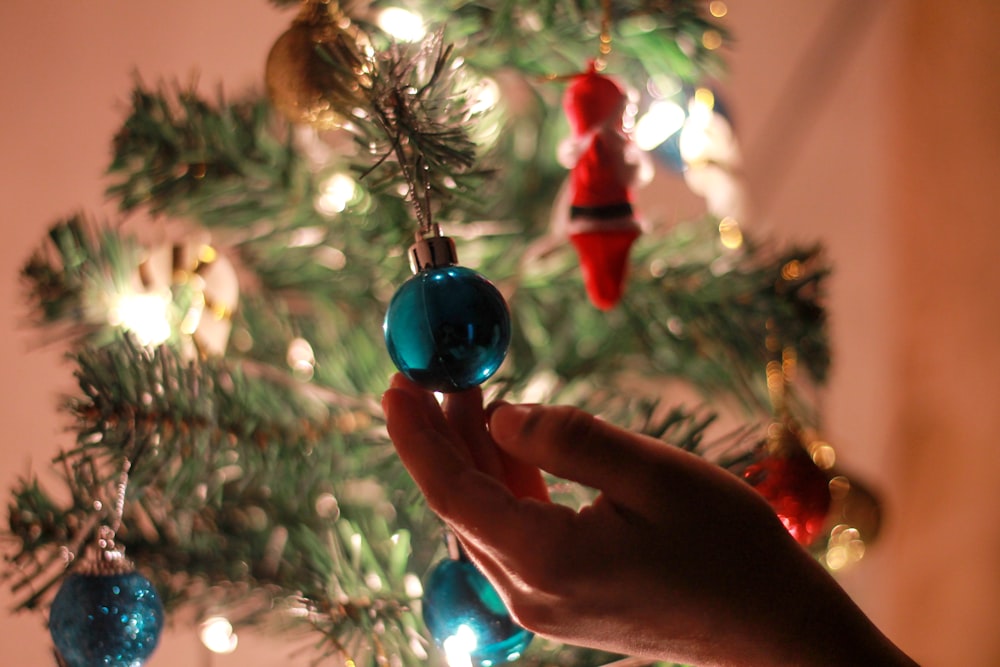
<point x="826" y="628"/>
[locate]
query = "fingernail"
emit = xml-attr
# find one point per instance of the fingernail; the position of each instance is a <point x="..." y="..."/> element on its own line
<point x="507" y="420"/>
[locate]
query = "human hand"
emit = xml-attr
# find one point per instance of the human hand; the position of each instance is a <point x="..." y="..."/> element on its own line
<point x="675" y="560"/>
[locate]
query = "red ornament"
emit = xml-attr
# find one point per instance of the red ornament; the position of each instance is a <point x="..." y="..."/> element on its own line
<point x="795" y="487"/>
<point x="602" y="225"/>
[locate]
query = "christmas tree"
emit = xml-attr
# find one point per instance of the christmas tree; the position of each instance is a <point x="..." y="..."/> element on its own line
<point x="226" y="331"/>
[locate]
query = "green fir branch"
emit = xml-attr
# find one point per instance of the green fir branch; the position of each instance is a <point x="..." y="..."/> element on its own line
<point x="273" y="488"/>
<point x="67" y="276"/>
<point x="221" y="163"/>
<point x="234" y="482"/>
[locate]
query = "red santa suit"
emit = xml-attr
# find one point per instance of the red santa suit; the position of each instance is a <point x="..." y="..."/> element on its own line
<point x="602" y="225"/>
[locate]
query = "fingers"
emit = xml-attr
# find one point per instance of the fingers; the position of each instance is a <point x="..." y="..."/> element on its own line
<point x="466" y="416"/>
<point x="426" y="400"/>
<point x="479" y="508"/>
<point x="471" y="500"/>
<point x="575" y="445"/>
<point x="523" y="479"/>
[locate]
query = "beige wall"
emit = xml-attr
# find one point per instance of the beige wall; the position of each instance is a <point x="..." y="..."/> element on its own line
<point x="887" y="151"/>
<point x="945" y="188"/>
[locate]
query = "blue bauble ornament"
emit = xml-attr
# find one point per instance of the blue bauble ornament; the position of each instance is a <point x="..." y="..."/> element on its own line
<point x="106" y="620"/>
<point x="669" y="153"/>
<point x="466" y="616"/>
<point x="447" y="328"/>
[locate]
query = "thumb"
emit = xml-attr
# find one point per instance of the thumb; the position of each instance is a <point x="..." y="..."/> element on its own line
<point x="575" y="445"/>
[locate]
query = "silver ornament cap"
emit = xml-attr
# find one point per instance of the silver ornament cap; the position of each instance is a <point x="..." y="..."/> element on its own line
<point x="432" y="252"/>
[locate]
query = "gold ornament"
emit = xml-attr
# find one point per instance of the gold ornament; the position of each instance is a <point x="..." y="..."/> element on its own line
<point x="312" y="77"/>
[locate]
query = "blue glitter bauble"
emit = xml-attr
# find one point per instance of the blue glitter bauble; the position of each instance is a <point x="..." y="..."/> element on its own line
<point x="464" y="613"/>
<point x="447" y="328"/>
<point x="106" y="620"/>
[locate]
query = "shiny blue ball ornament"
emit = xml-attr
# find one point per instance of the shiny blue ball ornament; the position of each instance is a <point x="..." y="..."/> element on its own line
<point x="467" y="618"/>
<point x="106" y="620"/>
<point x="447" y="327"/>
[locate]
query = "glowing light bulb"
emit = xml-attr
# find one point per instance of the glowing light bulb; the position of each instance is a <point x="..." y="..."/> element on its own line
<point x="711" y="39"/>
<point x="729" y="233"/>
<point x="718" y="8"/>
<point x="485" y="96"/>
<point x="705" y="98"/>
<point x="661" y="120"/>
<point x="305" y="237"/>
<point x="144" y="315"/>
<point x="411" y="584"/>
<point x="300" y="358"/>
<point x="402" y="24"/>
<point x="459" y="647"/>
<point x="336" y="193"/>
<point x="217" y="635"/>
<point x="695" y="143"/>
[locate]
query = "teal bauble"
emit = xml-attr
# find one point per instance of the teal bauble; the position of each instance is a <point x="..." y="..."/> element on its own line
<point x="466" y="616"/>
<point x="447" y="327"/>
<point x="106" y="620"/>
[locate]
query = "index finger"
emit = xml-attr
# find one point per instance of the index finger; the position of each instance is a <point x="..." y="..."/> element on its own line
<point x="482" y="511"/>
<point x="455" y="489"/>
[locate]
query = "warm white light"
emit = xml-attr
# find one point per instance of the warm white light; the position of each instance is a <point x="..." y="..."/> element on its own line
<point x="145" y="315"/>
<point x="217" y="635"/>
<point x="305" y="237"/>
<point x="402" y="24"/>
<point x="695" y="142"/>
<point x="484" y="97"/>
<point x="356" y="544"/>
<point x="192" y="318"/>
<point x="656" y="125"/>
<point x="707" y="136"/>
<point x="330" y="257"/>
<point x="718" y="8"/>
<point x="373" y="581"/>
<point x="300" y="358"/>
<point x="729" y="233"/>
<point x="459" y="647"/>
<point x="711" y="39"/>
<point x="411" y="584"/>
<point x="335" y="194"/>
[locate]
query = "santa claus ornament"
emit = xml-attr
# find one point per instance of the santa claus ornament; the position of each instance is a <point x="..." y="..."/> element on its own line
<point x="603" y="167"/>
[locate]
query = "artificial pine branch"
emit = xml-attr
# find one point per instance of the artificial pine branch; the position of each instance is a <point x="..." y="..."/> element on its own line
<point x="181" y="154"/>
<point x="417" y="114"/>
<point x="82" y="261"/>
<point x="226" y="478"/>
<point x="545" y="38"/>
<point x="266" y="490"/>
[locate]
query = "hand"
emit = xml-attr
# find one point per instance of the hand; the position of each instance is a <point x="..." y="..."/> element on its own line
<point x="675" y="560"/>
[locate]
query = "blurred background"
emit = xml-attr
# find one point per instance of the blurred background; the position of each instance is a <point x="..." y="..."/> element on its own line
<point x="871" y="127"/>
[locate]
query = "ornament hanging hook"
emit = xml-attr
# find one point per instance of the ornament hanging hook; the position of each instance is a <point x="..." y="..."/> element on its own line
<point x="129" y="452"/>
<point x="120" y="490"/>
<point x="109" y="557"/>
<point x="422" y="199"/>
